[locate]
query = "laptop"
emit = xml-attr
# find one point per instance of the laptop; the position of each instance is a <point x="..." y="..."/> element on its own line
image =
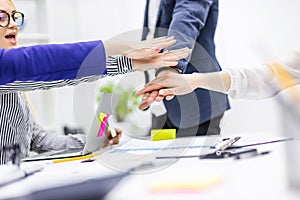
<point x="95" y="137"/>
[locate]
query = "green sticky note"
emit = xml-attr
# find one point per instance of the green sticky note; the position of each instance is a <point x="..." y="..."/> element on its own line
<point x="163" y="134"/>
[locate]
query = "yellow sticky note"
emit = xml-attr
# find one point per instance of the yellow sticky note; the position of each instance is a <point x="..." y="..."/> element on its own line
<point x="163" y="134"/>
<point x="101" y="117"/>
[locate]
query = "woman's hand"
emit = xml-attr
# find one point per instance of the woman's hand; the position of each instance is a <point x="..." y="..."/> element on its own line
<point x="112" y="140"/>
<point x="167" y="86"/>
<point x="149" y="48"/>
<point x="137" y="49"/>
<point x="156" y="60"/>
<point x="146" y="54"/>
<point x="171" y="84"/>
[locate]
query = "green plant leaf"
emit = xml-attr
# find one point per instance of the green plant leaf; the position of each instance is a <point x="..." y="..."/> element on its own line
<point x="127" y="101"/>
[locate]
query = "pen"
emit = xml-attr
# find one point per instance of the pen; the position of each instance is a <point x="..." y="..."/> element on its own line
<point x="75" y="158"/>
<point x="260" y="143"/>
<point x="112" y="126"/>
<point x="221" y="146"/>
<point x="250" y="154"/>
<point x="177" y="157"/>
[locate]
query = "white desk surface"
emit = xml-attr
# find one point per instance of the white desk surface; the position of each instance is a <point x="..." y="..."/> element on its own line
<point x="263" y="177"/>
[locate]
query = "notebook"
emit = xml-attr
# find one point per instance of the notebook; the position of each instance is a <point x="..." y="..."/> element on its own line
<point x="95" y="137"/>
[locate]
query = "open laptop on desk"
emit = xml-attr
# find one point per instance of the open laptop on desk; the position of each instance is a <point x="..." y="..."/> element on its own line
<point x="94" y="142"/>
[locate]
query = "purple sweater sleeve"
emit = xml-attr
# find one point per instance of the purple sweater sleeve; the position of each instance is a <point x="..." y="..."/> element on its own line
<point x="52" y="62"/>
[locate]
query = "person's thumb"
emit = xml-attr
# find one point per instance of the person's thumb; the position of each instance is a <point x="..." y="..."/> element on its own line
<point x="168" y="93"/>
<point x="169" y="97"/>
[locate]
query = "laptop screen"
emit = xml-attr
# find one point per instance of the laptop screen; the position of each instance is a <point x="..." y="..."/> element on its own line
<point x="95" y="138"/>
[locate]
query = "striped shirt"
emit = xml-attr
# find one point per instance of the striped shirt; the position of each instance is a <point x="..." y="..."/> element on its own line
<point x="17" y="125"/>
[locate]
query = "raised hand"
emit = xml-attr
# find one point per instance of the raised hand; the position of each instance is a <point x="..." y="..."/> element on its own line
<point x="167" y="86"/>
<point x="149" y="48"/>
<point x="136" y="49"/>
<point x="156" y="60"/>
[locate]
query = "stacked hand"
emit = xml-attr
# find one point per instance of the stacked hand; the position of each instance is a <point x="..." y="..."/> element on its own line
<point x="145" y="48"/>
<point x="167" y="85"/>
<point x="146" y="54"/>
<point x="156" y="60"/>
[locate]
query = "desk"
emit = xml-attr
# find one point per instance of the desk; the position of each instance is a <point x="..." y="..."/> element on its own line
<point x="256" y="178"/>
<point x="263" y="177"/>
<point x="67" y="175"/>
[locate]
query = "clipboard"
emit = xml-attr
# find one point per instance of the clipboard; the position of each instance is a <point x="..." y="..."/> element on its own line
<point x="231" y="151"/>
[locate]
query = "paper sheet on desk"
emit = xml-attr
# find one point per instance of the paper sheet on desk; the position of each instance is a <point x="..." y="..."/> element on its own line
<point x="136" y="145"/>
<point x="9" y="173"/>
<point x="140" y="155"/>
<point x="183" y="180"/>
<point x="57" y="175"/>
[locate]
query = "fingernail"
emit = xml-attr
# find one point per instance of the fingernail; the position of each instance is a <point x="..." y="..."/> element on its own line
<point x="157" y="49"/>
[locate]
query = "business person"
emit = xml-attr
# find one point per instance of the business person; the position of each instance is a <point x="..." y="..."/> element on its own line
<point x="250" y="83"/>
<point x="54" y="65"/>
<point x="193" y="24"/>
<point x="66" y="61"/>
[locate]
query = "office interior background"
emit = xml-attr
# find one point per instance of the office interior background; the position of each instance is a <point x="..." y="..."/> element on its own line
<point x="249" y="33"/>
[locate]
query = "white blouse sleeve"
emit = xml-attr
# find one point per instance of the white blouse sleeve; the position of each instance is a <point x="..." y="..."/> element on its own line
<point x="261" y="82"/>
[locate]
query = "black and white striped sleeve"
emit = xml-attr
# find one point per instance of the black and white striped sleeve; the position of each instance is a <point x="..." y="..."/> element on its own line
<point x="30" y="85"/>
<point x="118" y="65"/>
<point x="43" y="141"/>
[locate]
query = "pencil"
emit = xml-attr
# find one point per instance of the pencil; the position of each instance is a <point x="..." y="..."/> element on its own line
<point x="75" y="158"/>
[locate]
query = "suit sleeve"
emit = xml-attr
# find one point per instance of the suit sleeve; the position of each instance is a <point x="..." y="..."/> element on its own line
<point x="52" y="62"/>
<point x="189" y="17"/>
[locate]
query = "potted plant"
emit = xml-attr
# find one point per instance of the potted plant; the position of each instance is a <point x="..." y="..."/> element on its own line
<point x="127" y="101"/>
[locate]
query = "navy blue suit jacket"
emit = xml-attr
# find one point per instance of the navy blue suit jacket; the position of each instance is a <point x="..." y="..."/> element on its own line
<point x="193" y="23"/>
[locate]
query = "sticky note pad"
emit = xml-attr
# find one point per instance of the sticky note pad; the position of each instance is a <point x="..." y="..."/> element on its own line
<point x="163" y="134"/>
<point x="102" y="119"/>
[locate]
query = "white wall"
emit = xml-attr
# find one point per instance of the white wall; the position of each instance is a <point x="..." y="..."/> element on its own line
<point x="249" y="33"/>
<point x="70" y="21"/>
